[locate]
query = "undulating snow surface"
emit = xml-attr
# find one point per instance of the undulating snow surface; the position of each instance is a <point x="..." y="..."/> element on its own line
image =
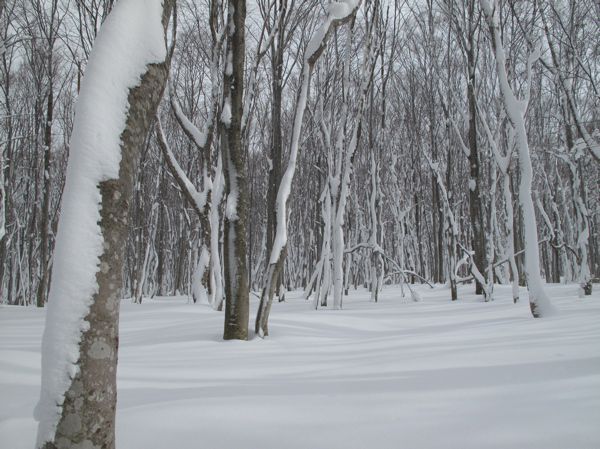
<point x="131" y="38"/>
<point x="396" y="374"/>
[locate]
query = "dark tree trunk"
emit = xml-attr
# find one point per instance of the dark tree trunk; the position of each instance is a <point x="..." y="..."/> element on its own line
<point x="276" y="151"/>
<point x="475" y="209"/>
<point x="235" y="238"/>
<point x="45" y="264"/>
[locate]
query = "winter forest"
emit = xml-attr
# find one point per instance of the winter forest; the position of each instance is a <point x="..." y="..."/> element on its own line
<point x="393" y="204"/>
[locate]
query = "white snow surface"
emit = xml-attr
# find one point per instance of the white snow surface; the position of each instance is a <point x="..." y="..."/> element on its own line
<point x="226" y="112"/>
<point x="335" y="11"/>
<point x="131" y="38"/>
<point x="429" y="375"/>
<point x="198" y="136"/>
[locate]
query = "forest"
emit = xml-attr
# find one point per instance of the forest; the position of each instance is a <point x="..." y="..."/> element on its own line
<point x="244" y="155"/>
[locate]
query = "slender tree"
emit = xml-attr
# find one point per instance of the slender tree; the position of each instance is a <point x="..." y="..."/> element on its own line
<point x="234" y="167"/>
<point x="538" y="300"/>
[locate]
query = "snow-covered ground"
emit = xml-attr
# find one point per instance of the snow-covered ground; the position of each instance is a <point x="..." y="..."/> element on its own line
<point x="396" y="374"/>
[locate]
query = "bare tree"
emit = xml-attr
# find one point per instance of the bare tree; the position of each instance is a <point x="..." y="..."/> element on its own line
<point x="234" y="167"/>
<point x="538" y="300"/>
<point x="315" y="48"/>
<point x="78" y="398"/>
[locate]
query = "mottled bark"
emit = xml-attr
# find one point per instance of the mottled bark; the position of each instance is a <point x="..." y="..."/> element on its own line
<point x="88" y="411"/>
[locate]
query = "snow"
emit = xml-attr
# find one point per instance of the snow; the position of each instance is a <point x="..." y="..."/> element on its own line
<point x="131" y="38"/>
<point x="198" y="136"/>
<point x="428" y="375"/>
<point x="472" y="184"/>
<point x="215" y="266"/>
<point x="335" y="11"/>
<point x="515" y="109"/>
<point x="198" y="291"/>
<point x="199" y="197"/>
<point x="229" y="65"/>
<point x="231" y="203"/>
<point x="226" y="112"/>
<point x="338" y="10"/>
<point x="285" y="186"/>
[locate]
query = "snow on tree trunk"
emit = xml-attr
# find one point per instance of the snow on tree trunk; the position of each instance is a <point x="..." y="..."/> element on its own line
<point x="204" y="278"/>
<point x="338" y="13"/>
<point x="215" y="265"/>
<point x="582" y="221"/>
<point x="45" y="264"/>
<point x="201" y="272"/>
<point x="2" y="200"/>
<point x="324" y="266"/>
<point x="503" y="163"/>
<point x="490" y="234"/>
<point x="338" y="260"/>
<point x="345" y="148"/>
<point x="124" y="81"/>
<point x="510" y="237"/>
<point x="450" y="226"/>
<point x="236" y="214"/>
<point x="538" y="300"/>
<point x="141" y="280"/>
<point x="198" y="200"/>
<point x="377" y="266"/>
<point x="476" y="213"/>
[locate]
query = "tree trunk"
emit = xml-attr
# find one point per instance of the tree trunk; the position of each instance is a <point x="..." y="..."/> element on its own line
<point x="236" y="216"/>
<point x="539" y="302"/>
<point x="475" y="212"/>
<point x="87" y="418"/>
<point x="45" y="264"/>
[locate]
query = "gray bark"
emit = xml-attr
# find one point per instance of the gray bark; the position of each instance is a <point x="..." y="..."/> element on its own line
<point x="237" y="292"/>
<point x="88" y="411"/>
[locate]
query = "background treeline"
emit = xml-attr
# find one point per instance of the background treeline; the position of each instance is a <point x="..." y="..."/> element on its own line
<point x="433" y="179"/>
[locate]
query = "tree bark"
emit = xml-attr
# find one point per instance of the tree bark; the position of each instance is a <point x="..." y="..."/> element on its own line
<point x="45" y="264"/>
<point x="88" y="411"/>
<point x="475" y="212"/>
<point x="235" y="239"/>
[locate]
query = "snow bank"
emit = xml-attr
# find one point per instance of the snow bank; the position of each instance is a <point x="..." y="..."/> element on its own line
<point x="131" y="38"/>
<point x="428" y="375"/>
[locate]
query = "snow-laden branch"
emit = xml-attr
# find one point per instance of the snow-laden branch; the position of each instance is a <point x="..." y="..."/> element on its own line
<point x="314" y="49"/>
<point x="553" y="67"/>
<point x="538" y="300"/>
<point x="503" y="162"/>
<point x="189" y="129"/>
<point x="196" y="199"/>
<point x="465" y="149"/>
<point x="338" y="13"/>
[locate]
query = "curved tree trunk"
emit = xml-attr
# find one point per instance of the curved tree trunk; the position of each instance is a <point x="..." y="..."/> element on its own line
<point x="87" y="417"/>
